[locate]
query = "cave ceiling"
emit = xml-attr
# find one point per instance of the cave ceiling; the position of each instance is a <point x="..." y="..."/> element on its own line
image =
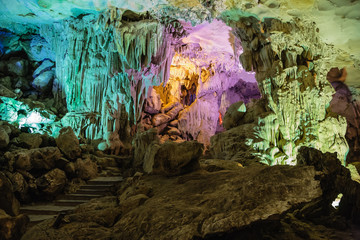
<point x="338" y="20"/>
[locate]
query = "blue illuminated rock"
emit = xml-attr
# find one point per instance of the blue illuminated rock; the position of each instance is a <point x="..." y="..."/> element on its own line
<point x="44" y="66"/>
<point x="38" y="49"/>
<point x="43" y="82"/>
<point x="18" y="66"/>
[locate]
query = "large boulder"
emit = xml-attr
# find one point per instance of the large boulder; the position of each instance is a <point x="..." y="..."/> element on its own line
<point x="336" y="179"/>
<point x="8" y="202"/>
<point x="234" y="114"/>
<point x="172" y="158"/>
<point x="68" y="143"/>
<point x="44" y="66"/>
<point x="86" y="168"/>
<point x="29" y="140"/>
<point x="232" y="144"/>
<point x="174" y="111"/>
<point x="12" y="227"/>
<point x="43" y="82"/>
<point x="52" y="183"/>
<point x="38" y="158"/>
<point x="140" y="143"/>
<point x="160" y="119"/>
<point x="20" y="187"/>
<point x="5" y="92"/>
<point x="4" y="138"/>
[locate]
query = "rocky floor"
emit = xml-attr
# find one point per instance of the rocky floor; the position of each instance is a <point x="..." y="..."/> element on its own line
<point x="219" y="201"/>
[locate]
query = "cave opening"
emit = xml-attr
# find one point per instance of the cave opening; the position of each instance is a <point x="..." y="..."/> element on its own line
<point x="205" y="78"/>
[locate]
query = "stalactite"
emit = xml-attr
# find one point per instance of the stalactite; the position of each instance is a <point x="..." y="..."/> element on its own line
<point x="101" y="67"/>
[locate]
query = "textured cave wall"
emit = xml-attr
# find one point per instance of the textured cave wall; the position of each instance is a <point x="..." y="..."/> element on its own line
<point x="105" y="67"/>
<point x="291" y="64"/>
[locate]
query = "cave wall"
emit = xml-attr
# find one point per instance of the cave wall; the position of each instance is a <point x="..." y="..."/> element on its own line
<point x="291" y="63"/>
<point x="105" y="66"/>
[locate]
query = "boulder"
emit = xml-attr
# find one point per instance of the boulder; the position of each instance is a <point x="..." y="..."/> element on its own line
<point x="160" y="119"/>
<point x="22" y="83"/>
<point x="12" y="227"/>
<point x="6" y="82"/>
<point x="20" y="187"/>
<point x="174" y="123"/>
<point x="232" y="144"/>
<point x="169" y="106"/>
<point x="18" y="66"/>
<point x="22" y="160"/>
<point x="334" y="180"/>
<point x="29" y="140"/>
<point x="140" y="143"/>
<point x="52" y="183"/>
<point x="44" y="158"/>
<point x="5" y="92"/>
<point x="44" y="66"/>
<point x="8" y="202"/>
<point x="68" y="143"/>
<point x="234" y="114"/>
<point x="43" y="82"/>
<point x="174" y="131"/>
<point x="174" y="111"/>
<point x="4" y="138"/>
<point x="172" y="159"/>
<point x="38" y="158"/>
<point x="38" y="49"/>
<point x="86" y="169"/>
<point x="209" y="205"/>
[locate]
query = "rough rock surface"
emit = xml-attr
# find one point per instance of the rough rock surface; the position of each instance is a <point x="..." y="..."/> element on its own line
<point x="38" y="158"/>
<point x="172" y="158"/>
<point x="12" y="228"/>
<point x="4" y="138"/>
<point x="86" y="169"/>
<point x="234" y="114"/>
<point x="8" y="202"/>
<point x="233" y="145"/>
<point x="28" y="140"/>
<point x="197" y="205"/>
<point x="68" y="143"/>
<point x="52" y="183"/>
<point x="141" y="143"/>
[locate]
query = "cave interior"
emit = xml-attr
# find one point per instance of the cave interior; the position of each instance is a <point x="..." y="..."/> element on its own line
<point x="196" y="119"/>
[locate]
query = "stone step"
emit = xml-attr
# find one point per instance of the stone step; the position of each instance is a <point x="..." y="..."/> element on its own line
<point x="44" y="209"/>
<point x="98" y="191"/>
<point x="34" y="219"/>
<point x="66" y="202"/>
<point x="105" y="180"/>
<point x="97" y="186"/>
<point x="79" y="196"/>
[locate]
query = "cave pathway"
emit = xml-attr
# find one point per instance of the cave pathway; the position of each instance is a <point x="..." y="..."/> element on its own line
<point x="95" y="188"/>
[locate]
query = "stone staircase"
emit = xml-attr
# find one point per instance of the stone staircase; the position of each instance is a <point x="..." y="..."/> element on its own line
<point x="94" y="188"/>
